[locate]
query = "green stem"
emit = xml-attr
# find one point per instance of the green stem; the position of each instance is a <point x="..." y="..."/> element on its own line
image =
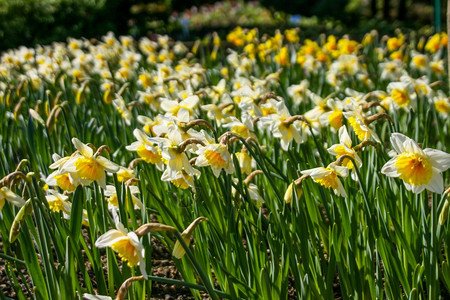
<point x="206" y="282"/>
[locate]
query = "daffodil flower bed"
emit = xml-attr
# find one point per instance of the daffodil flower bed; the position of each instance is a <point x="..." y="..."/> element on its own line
<point x="318" y="165"/>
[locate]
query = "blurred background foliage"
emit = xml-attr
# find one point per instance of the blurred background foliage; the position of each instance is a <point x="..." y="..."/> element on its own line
<point x="25" y="22"/>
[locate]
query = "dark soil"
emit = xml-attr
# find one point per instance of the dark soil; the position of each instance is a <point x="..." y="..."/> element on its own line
<point x="162" y="266"/>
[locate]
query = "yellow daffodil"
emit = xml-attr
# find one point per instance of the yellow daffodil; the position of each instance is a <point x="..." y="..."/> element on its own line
<point x="419" y="169"/>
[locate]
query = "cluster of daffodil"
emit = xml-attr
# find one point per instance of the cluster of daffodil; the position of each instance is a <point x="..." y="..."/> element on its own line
<point x="194" y="114"/>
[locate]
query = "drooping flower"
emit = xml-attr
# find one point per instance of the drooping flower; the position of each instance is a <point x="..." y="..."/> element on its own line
<point x="215" y="155"/>
<point x="283" y="126"/>
<point x="146" y="150"/>
<point x="418" y="168"/>
<point x="328" y="177"/>
<point x="345" y="148"/>
<point x="7" y="194"/>
<point x="111" y="194"/>
<point x="178" y="250"/>
<point x="126" y="244"/>
<point x="66" y="181"/>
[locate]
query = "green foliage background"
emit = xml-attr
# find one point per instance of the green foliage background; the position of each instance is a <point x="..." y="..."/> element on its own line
<point x="24" y="22"/>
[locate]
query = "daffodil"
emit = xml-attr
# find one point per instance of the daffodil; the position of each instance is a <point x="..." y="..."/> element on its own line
<point x="216" y="156"/>
<point x="345" y="148"/>
<point x="245" y="161"/>
<point x="126" y="244"/>
<point x="328" y="177"/>
<point x="58" y="202"/>
<point x="67" y="181"/>
<point x="360" y="126"/>
<point x="178" y="250"/>
<point x="418" y="168"/>
<point x="88" y="166"/>
<point x="283" y="126"/>
<point x="176" y="158"/>
<point x="442" y="104"/>
<point x="403" y="94"/>
<point x="7" y="194"/>
<point x="184" y="109"/>
<point x="111" y="197"/>
<point x="146" y="150"/>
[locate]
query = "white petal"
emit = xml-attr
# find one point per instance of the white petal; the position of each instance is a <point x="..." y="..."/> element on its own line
<point x="134" y="146"/>
<point x="397" y="140"/>
<point x="110" y="237"/>
<point x="344" y="138"/>
<point x="436" y="183"/>
<point x="340" y="190"/>
<point x="84" y="149"/>
<point x="412" y="147"/>
<point x="107" y="164"/>
<point x="340" y="170"/>
<point x="438" y="159"/>
<point x="389" y="168"/>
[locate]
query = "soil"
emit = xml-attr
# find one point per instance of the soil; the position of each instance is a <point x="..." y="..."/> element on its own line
<point x="163" y="266"/>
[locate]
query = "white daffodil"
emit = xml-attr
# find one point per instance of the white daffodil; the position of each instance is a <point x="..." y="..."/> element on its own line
<point x="126" y="244"/>
<point x="7" y="194"/>
<point x="345" y="148"/>
<point x="403" y="94"/>
<point x="215" y="155"/>
<point x="177" y="160"/>
<point x="281" y="127"/>
<point x="58" y="202"/>
<point x="66" y="181"/>
<point x="111" y="194"/>
<point x="87" y="166"/>
<point x="328" y="177"/>
<point x="419" y="169"/>
<point x="184" y="110"/>
<point x="146" y="150"/>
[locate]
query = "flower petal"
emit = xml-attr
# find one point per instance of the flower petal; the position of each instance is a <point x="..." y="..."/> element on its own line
<point x="84" y="149"/>
<point x="438" y="159"/>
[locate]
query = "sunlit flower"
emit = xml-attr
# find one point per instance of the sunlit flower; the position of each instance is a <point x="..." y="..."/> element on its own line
<point x="345" y="148"/>
<point x="87" y="166"/>
<point x="146" y="150"/>
<point x="216" y="156"/>
<point x="184" y="109"/>
<point x="111" y="196"/>
<point x="58" y="202"/>
<point x="360" y="127"/>
<point x="125" y="174"/>
<point x="66" y="181"/>
<point x="419" y="169"/>
<point x="126" y="244"/>
<point x="281" y="126"/>
<point x="328" y="177"/>
<point x="176" y="159"/>
<point x="7" y="194"/>
<point x="403" y="94"/>
<point x="442" y="104"/>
